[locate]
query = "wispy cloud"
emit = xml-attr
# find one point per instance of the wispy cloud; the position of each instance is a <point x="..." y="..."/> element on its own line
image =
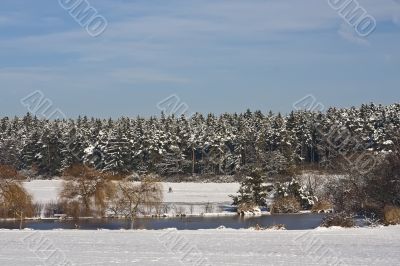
<point x="140" y="75"/>
<point x="194" y="45"/>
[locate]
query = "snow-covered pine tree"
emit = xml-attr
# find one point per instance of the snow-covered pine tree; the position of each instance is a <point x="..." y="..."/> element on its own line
<point x="117" y="153"/>
<point x="252" y="190"/>
<point x="49" y="157"/>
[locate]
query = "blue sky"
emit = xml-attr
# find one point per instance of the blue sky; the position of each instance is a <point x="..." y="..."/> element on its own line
<point x="216" y="55"/>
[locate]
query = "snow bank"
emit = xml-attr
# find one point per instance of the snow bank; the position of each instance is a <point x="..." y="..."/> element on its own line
<point x="379" y="246"/>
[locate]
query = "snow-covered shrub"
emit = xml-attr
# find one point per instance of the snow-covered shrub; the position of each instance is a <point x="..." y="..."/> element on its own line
<point x="277" y="227"/>
<point x="372" y="220"/>
<point x="248" y="209"/>
<point x="286" y="205"/>
<point x="340" y="219"/>
<point x="272" y="227"/>
<point x="300" y="193"/>
<point x="346" y="194"/>
<point x="316" y="181"/>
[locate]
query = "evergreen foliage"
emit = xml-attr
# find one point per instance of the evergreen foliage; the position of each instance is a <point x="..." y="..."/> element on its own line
<point x="205" y="145"/>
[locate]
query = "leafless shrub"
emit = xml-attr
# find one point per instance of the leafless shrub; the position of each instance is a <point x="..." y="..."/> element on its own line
<point x="372" y="190"/>
<point x="346" y="194"/>
<point x="322" y="206"/>
<point x="286" y="205"/>
<point x="392" y="215"/>
<point x="383" y="184"/>
<point x="73" y="208"/>
<point x="338" y="219"/>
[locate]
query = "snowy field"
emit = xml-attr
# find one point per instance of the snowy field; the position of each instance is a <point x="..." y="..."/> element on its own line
<point x="380" y="246"/>
<point x="45" y="191"/>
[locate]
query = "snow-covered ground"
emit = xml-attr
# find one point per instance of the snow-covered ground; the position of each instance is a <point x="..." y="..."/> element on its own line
<point x="45" y="191"/>
<point x="379" y="246"/>
<point x="186" y="198"/>
<point x="200" y="192"/>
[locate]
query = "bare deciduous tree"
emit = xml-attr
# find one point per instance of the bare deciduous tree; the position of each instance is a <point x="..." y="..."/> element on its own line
<point x="133" y="198"/>
<point x="15" y="201"/>
<point x="88" y="187"/>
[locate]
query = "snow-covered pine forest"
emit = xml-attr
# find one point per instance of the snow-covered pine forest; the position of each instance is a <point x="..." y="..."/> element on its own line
<point x="202" y="144"/>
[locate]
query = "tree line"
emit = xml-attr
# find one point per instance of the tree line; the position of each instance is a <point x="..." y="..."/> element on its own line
<point x="225" y="144"/>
